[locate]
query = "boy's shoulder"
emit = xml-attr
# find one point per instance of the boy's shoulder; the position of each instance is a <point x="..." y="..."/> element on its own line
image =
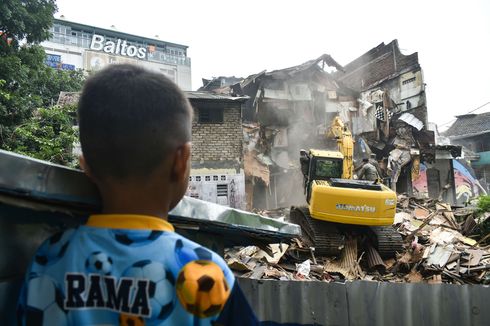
<point x="187" y="251"/>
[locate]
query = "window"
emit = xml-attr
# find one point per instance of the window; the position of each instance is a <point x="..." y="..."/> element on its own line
<point x="328" y="168"/>
<point x="222" y="190"/>
<point x="215" y="178"/>
<point x="223" y="178"/>
<point x="198" y="178"/>
<point x="210" y="115"/>
<point x="208" y="178"/>
<point x="408" y="81"/>
<point x="190" y="178"/>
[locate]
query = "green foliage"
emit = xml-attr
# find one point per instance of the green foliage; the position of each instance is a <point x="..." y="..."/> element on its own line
<point x="28" y="86"/>
<point x="483" y="204"/>
<point x="48" y="135"/>
<point x="483" y="222"/>
<point x="27" y="19"/>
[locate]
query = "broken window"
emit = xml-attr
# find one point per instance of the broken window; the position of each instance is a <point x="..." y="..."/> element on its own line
<point x="408" y="81"/>
<point x="210" y="115"/>
<point x="222" y="190"/>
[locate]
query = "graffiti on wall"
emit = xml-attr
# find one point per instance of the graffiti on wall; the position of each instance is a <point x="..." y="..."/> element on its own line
<point x="464" y="181"/>
<point x="419" y="182"/>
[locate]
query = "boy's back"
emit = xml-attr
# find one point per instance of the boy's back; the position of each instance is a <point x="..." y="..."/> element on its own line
<point x="127" y="265"/>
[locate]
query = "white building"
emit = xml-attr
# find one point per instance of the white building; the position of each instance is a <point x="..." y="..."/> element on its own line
<point x="78" y="46"/>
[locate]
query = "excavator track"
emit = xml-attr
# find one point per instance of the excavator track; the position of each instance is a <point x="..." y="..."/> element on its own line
<point x="389" y="241"/>
<point x="323" y="236"/>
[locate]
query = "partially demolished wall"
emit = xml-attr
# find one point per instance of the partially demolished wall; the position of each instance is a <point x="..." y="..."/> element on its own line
<point x="380" y="96"/>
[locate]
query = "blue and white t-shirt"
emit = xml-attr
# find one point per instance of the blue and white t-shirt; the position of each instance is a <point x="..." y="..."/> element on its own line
<point x="129" y="270"/>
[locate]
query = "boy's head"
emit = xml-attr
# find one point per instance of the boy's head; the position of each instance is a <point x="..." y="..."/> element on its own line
<point x="133" y="123"/>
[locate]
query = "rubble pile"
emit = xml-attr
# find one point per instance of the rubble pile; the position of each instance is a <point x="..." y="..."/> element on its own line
<point x="440" y="246"/>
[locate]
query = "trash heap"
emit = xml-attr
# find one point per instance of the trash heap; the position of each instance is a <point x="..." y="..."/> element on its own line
<point x="442" y="244"/>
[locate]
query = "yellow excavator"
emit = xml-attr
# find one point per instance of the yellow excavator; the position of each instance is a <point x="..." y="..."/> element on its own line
<point x="339" y="206"/>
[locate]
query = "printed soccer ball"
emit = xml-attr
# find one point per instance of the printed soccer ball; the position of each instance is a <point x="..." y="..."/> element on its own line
<point x="54" y="248"/>
<point x="44" y="303"/>
<point x="202" y="288"/>
<point x="136" y="238"/>
<point x="130" y="320"/>
<point x="98" y="262"/>
<point x="162" y="292"/>
<point x="185" y="254"/>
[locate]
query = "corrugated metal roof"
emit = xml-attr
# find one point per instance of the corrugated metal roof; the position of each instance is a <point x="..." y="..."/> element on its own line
<point x="367" y="303"/>
<point x="26" y="178"/>
<point x="73" y="97"/>
<point x="208" y="96"/>
<point x="412" y="120"/>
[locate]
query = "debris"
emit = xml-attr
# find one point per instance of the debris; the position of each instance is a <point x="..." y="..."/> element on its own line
<point x="474" y="257"/>
<point x="439" y="248"/>
<point x="436" y="279"/>
<point x="374" y="259"/>
<point x="420" y="213"/>
<point x="278" y="251"/>
<point x="440" y="256"/>
<point x="303" y="269"/>
<point x="414" y="277"/>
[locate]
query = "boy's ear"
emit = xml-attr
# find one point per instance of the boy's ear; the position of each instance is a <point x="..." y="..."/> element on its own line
<point x="180" y="167"/>
<point x="85" y="167"/>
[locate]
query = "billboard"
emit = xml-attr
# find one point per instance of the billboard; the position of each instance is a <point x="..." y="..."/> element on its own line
<point x="94" y="61"/>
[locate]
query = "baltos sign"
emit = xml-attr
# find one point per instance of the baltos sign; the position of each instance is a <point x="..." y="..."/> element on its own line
<point x="119" y="47"/>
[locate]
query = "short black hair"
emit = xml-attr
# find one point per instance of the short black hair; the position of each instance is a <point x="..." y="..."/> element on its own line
<point x="129" y="120"/>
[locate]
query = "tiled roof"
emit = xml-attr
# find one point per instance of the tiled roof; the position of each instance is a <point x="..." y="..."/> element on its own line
<point x="470" y="124"/>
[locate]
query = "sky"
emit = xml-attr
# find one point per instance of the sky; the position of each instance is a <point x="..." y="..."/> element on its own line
<point x="228" y="38"/>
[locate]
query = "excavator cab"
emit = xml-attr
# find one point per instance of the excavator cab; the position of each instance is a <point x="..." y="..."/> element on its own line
<point x="320" y="165"/>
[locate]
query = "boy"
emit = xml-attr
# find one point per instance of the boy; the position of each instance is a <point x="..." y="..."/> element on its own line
<point x="126" y="265"/>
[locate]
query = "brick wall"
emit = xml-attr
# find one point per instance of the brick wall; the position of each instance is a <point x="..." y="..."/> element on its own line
<point x="218" y="141"/>
<point x="377" y="64"/>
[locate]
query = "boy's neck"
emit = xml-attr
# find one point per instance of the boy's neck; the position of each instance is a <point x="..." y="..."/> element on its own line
<point x="135" y="200"/>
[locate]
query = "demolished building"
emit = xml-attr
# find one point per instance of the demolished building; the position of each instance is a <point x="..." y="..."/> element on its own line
<point x="286" y="112"/>
<point x="379" y="96"/>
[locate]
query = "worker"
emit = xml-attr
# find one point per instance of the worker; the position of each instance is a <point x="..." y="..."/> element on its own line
<point x="368" y="171"/>
<point x="374" y="161"/>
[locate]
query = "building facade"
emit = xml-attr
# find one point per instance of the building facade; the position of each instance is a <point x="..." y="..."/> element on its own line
<point x="473" y="132"/>
<point x="217" y="173"/>
<point x="78" y="46"/>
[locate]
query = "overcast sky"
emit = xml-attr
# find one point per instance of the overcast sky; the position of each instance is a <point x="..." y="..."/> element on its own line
<point x="240" y="38"/>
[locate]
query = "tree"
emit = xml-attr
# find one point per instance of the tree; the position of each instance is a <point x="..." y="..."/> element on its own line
<point x="27" y="19"/>
<point x="49" y="134"/>
<point x="27" y="85"/>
